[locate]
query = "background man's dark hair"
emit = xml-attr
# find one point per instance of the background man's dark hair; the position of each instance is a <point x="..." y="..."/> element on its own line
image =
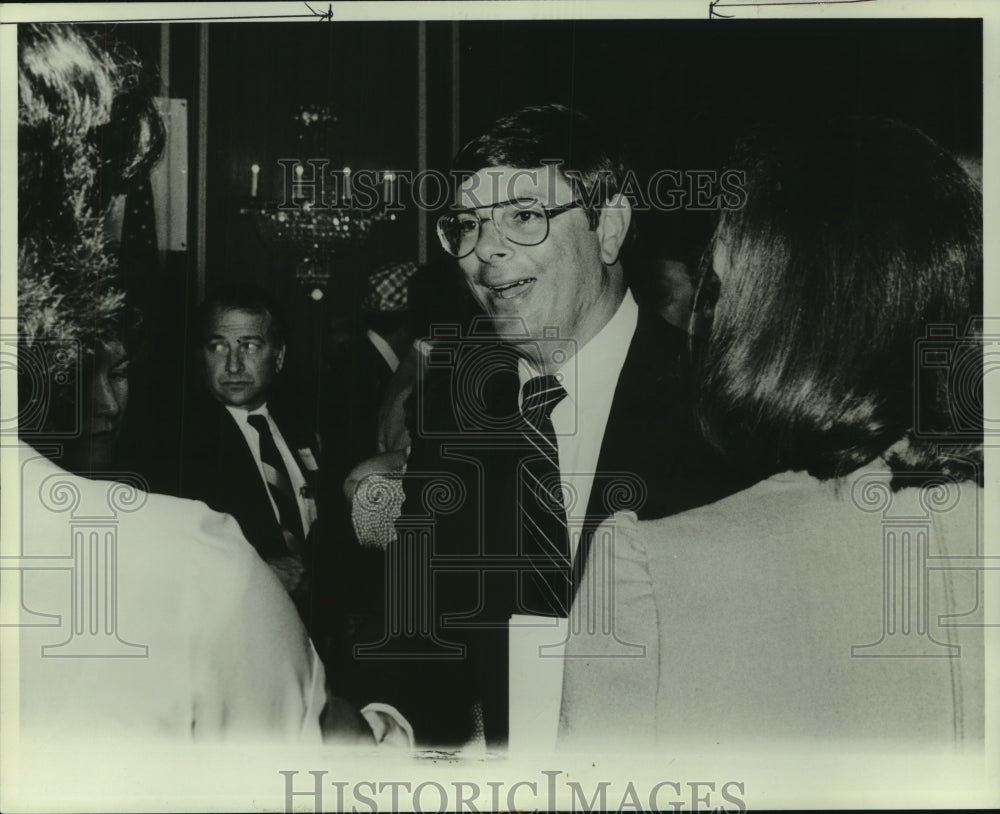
<point x="241" y="297"/>
<point x="533" y="137"/>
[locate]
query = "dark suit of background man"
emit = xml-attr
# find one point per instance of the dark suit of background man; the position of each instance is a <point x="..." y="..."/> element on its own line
<point x="242" y="453"/>
<point x="360" y="362"/>
<point x="537" y="228"/>
<point x="360" y="359"/>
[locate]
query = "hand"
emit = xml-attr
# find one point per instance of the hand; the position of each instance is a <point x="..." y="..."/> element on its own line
<point x="289" y="571"/>
<point x="388" y="727"/>
<point x="386" y="462"/>
<point x="343" y="725"/>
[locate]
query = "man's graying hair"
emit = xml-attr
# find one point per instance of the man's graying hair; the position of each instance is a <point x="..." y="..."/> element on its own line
<point x="551" y="134"/>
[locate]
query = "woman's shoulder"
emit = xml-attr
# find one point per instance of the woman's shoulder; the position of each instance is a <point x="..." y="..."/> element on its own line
<point x="795" y="504"/>
<point x="159" y="534"/>
<point x="196" y="528"/>
<point x="753" y="504"/>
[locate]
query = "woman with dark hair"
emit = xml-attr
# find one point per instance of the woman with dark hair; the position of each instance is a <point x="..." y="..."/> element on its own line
<point x="104" y="389"/>
<point x="844" y="371"/>
<point x="852" y="244"/>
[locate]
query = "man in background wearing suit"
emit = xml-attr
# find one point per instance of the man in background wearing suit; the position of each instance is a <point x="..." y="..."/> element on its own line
<point x="568" y="400"/>
<point x="360" y="363"/>
<point x="242" y="454"/>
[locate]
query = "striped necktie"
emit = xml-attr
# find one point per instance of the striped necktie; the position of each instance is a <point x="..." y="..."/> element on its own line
<point x="278" y="483"/>
<point x="542" y="516"/>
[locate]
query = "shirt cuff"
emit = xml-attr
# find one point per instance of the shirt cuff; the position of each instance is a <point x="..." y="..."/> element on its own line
<point x="388" y="725"/>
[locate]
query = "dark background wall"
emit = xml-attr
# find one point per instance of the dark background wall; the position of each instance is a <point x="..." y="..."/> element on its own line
<point x="677" y="93"/>
<point x="687" y="87"/>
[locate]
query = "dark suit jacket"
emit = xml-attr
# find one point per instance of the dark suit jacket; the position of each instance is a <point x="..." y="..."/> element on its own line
<point x="357" y="376"/>
<point x="466" y="440"/>
<point x="218" y="468"/>
<point x="347" y="576"/>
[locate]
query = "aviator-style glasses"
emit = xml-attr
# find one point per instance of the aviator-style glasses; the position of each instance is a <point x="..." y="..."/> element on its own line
<point x="523" y="221"/>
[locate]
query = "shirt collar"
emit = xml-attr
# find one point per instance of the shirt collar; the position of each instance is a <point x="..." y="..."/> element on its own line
<point x="600" y="359"/>
<point x="384" y="349"/>
<point x="241" y="414"/>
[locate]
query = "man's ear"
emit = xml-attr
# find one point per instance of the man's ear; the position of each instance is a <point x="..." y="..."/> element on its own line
<point x="281" y="360"/>
<point x="616" y="215"/>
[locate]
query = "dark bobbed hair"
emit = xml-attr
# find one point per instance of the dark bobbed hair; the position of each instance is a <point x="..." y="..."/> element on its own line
<point x="241" y="297"/>
<point x="587" y="156"/>
<point x="857" y="236"/>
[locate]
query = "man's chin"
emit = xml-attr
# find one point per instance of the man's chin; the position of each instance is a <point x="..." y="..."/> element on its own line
<point x="233" y="396"/>
<point x="513" y="327"/>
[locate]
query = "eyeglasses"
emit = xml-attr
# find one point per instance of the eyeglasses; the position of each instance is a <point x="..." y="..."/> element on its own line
<point x="523" y="221"/>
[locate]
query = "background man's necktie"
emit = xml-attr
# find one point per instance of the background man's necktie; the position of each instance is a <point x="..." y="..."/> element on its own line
<point x="279" y="484"/>
<point x="544" y="533"/>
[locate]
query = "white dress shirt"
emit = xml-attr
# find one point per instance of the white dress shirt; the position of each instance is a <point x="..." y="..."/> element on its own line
<point x="303" y="498"/>
<point x="536" y="644"/>
<point x="589" y="378"/>
<point x="384" y="349"/>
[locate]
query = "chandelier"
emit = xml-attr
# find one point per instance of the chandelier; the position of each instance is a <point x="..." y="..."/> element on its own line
<point x="314" y="233"/>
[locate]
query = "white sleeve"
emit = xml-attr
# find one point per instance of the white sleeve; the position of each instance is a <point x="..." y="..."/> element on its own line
<point x="388" y="725"/>
<point x="255" y="671"/>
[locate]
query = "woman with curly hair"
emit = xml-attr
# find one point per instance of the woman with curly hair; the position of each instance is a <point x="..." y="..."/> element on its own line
<point x="174" y="628"/>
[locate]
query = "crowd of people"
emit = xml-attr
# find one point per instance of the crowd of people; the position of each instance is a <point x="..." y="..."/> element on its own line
<point x="708" y="452"/>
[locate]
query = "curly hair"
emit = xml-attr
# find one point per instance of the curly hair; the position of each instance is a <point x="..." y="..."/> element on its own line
<point x="86" y="130"/>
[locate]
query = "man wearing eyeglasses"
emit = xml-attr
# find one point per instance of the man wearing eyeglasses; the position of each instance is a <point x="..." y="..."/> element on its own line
<point x="534" y="260"/>
<point x="578" y="401"/>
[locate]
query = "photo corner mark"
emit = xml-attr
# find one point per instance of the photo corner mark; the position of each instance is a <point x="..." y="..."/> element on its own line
<point x="322" y="15"/>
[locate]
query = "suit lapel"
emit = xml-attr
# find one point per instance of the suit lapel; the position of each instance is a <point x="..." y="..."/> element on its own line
<point x="243" y="491"/>
<point x="639" y="435"/>
<point x="634" y="435"/>
<point x="654" y="460"/>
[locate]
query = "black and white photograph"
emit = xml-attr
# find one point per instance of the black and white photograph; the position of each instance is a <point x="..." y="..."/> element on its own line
<point x="498" y="406"/>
